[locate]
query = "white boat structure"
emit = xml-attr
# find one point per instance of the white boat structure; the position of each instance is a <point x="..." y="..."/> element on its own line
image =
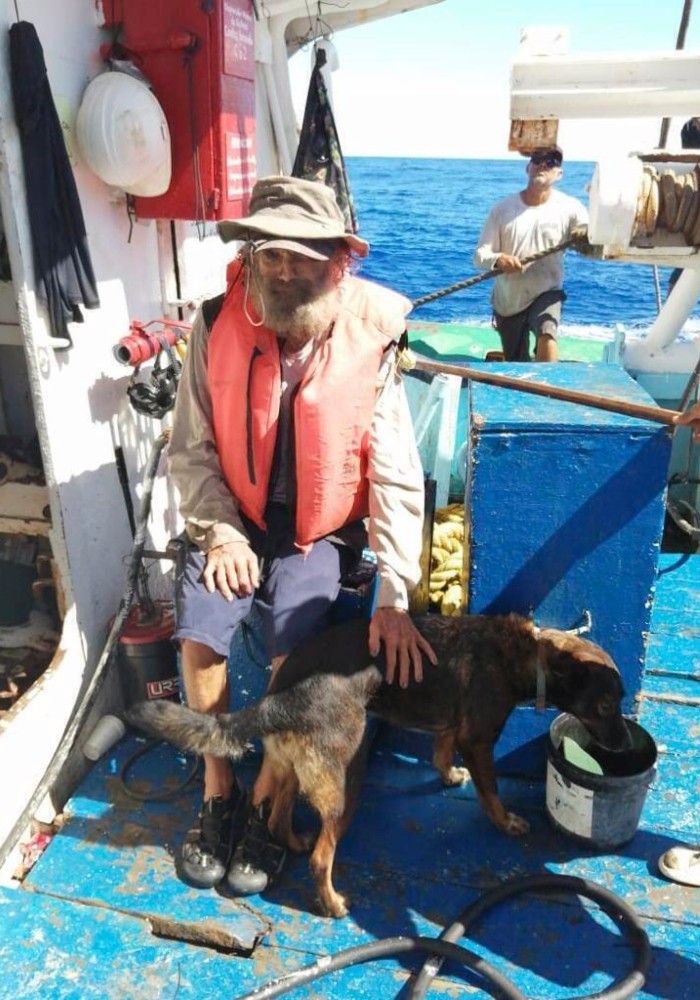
<point x="155" y="260"/>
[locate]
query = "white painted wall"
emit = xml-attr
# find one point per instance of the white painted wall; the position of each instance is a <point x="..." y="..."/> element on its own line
<point x="79" y="399"/>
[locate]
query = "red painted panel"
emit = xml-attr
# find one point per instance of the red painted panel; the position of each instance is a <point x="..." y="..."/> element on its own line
<point x="199" y="59"/>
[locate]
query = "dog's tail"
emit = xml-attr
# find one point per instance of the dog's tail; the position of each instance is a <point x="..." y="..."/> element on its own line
<point x="196" y="732"/>
<point x="295" y="709"/>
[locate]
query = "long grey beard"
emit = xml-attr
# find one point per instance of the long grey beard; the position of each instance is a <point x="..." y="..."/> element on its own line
<point x="305" y="322"/>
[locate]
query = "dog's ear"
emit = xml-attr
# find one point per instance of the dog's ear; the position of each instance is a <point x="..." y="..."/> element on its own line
<point x="575" y="665"/>
<point x="566" y="669"/>
<point x="559" y="656"/>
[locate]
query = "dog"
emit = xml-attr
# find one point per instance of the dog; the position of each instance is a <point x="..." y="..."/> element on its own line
<point x="312" y="720"/>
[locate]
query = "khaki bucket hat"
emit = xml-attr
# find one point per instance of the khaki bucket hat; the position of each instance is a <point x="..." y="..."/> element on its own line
<point x="290" y="209"/>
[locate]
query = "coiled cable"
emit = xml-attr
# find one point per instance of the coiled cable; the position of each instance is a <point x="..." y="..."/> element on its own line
<point x="445" y="947"/>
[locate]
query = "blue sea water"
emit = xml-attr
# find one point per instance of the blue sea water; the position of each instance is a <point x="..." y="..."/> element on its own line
<point x="423" y="218"/>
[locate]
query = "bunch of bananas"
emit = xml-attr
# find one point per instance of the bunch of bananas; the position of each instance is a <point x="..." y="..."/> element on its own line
<point x="447" y="560"/>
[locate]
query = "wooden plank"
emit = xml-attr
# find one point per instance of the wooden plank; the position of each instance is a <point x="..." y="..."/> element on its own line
<point x="24" y="509"/>
<point x="56" y="949"/>
<point x="114" y="851"/>
<point x="435" y="852"/>
<point x="10" y="334"/>
<point x="671" y="654"/>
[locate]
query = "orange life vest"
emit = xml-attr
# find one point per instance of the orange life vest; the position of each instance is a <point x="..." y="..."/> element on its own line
<point x="333" y="406"/>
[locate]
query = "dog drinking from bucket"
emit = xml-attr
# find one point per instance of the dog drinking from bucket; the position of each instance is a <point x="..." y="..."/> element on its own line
<point x="312" y="721"/>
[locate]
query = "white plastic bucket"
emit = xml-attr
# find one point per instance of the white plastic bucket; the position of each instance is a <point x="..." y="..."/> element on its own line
<point x="601" y="811"/>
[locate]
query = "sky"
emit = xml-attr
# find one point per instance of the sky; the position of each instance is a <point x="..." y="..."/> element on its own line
<point x="435" y="82"/>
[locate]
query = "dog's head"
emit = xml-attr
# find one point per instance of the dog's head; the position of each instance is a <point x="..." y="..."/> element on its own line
<point x="583" y="680"/>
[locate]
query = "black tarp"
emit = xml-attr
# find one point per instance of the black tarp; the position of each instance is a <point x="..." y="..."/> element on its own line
<point x="319" y="157"/>
<point x="64" y="274"/>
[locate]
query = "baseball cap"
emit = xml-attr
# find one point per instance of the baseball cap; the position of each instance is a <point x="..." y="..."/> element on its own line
<point x="553" y="155"/>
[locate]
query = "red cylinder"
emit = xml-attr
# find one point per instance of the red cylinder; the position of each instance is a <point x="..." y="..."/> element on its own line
<point x="146" y="657"/>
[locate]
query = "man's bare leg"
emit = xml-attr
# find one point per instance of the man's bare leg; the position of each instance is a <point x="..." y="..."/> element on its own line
<point x="206" y="852"/>
<point x="547" y="348"/>
<point x="205" y="676"/>
<point x="259" y="857"/>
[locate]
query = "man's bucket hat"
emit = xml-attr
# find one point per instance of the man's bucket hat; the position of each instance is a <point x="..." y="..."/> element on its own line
<point x="284" y="210"/>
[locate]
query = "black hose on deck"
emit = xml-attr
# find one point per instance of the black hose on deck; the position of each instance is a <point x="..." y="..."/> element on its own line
<point x="93" y="688"/>
<point x="445" y="946"/>
<point x="617" y="909"/>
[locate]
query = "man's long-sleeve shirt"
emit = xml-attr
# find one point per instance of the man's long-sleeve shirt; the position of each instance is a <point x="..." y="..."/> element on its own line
<point x="396" y="488"/>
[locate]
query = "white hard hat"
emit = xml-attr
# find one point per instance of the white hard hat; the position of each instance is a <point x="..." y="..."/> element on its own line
<point x="123" y="134"/>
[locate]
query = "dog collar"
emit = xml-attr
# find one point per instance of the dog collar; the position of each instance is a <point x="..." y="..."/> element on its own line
<point x="541" y="693"/>
<point x="541" y="690"/>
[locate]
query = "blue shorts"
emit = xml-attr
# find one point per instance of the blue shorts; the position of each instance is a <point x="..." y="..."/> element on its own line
<point x="294" y="599"/>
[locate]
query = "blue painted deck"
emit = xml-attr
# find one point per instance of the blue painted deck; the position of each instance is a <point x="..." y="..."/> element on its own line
<point x="102" y="914"/>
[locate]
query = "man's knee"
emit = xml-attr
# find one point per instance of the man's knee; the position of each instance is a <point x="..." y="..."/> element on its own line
<point x="198" y="655"/>
<point x="549" y="328"/>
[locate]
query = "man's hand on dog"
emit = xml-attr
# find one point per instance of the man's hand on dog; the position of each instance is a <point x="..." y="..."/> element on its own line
<point x="402" y="644"/>
<point x="233" y="569"/>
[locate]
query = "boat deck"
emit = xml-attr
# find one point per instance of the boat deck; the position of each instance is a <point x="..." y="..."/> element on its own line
<point x="101" y="914"/>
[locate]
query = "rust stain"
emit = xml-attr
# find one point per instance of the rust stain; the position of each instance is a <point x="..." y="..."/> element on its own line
<point x="677" y="901"/>
<point x="528" y="135"/>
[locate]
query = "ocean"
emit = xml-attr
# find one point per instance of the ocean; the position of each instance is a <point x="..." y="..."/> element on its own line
<point x="423" y="218"/>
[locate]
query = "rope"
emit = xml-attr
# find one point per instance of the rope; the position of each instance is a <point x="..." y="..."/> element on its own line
<point x="669" y="200"/>
<point x="666" y="124"/>
<point x="574" y="240"/>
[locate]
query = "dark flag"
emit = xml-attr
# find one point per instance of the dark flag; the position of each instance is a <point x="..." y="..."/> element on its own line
<point x="319" y="157"/>
<point x="64" y="273"/>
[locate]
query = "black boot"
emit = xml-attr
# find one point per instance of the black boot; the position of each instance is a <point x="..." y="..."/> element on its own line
<point x="259" y="859"/>
<point x="206" y="853"/>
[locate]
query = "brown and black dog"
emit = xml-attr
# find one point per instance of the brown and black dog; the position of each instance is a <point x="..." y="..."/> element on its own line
<point x="312" y="720"/>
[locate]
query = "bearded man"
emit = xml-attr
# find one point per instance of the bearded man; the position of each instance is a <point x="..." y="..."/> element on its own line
<point x="292" y="448"/>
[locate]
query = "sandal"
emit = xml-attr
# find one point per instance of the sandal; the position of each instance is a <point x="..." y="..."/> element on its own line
<point x="681" y="864"/>
<point x="205" y="855"/>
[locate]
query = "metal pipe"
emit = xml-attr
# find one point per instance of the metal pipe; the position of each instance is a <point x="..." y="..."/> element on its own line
<point x="623" y="406"/>
<point x="675" y="311"/>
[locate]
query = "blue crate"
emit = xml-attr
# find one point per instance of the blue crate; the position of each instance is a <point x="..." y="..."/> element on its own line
<point x="566" y="507"/>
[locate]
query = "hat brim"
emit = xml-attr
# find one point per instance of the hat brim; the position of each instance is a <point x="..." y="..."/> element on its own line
<point x="279" y="227"/>
<point x="314" y="249"/>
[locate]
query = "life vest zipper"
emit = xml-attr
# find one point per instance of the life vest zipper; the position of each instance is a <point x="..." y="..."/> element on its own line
<point x="249" y="418"/>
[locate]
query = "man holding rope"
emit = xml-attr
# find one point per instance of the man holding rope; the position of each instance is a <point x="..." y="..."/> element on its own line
<point x="529" y="298"/>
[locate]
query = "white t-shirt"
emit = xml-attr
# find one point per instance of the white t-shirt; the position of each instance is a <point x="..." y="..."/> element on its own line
<point x="523" y="230"/>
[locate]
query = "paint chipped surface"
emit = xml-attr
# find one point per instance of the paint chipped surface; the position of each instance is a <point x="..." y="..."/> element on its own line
<point x="102" y="914"/>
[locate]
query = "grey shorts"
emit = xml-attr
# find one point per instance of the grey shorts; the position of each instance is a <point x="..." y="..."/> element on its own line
<point x="295" y="597"/>
<point x="542" y="316"/>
